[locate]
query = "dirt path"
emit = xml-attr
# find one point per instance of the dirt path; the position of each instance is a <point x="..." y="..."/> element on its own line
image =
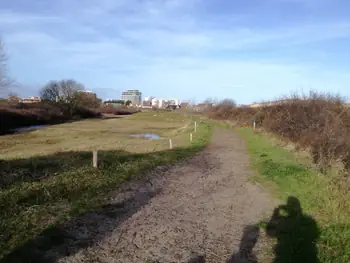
<point x="199" y="206"/>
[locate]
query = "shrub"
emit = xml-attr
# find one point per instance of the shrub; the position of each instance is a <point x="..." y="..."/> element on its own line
<point x="122" y="110"/>
<point x="318" y="122"/>
<point x="19" y="115"/>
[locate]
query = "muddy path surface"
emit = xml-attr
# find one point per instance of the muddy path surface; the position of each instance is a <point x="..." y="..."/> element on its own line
<point x="199" y="206"/>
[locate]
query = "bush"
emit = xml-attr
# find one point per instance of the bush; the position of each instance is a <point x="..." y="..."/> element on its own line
<point x="122" y="110"/>
<point x="20" y="115"/>
<point x="86" y="100"/>
<point x="318" y="122"/>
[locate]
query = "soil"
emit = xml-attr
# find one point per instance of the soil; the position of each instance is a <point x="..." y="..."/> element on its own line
<point x="197" y="207"/>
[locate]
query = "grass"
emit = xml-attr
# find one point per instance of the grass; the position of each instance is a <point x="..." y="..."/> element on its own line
<point x="320" y="196"/>
<point x="97" y="134"/>
<point x="47" y="178"/>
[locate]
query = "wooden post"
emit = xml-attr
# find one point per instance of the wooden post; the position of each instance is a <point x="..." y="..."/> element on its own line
<point x="254" y="125"/>
<point x="195" y="126"/>
<point x="94" y="159"/>
<point x="191" y="137"/>
<point x="170" y="144"/>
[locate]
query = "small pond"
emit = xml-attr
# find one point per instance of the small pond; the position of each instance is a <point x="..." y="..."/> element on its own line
<point x="147" y="136"/>
<point x="28" y="128"/>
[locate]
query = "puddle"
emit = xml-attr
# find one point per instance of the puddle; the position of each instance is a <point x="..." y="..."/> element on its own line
<point x="28" y="128"/>
<point x="147" y="136"/>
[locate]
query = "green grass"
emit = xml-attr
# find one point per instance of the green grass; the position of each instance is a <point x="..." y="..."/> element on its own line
<point x="49" y="184"/>
<point x="97" y="134"/>
<point x="320" y="196"/>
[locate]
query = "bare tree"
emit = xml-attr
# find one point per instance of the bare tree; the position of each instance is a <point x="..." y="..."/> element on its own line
<point x="210" y="101"/>
<point x="50" y="91"/>
<point x="5" y="81"/>
<point x="228" y="102"/>
<point x="68" y="88"/>
<point x="63" y="90"/>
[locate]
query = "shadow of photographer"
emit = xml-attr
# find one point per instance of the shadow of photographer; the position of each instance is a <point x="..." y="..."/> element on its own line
<point x="248" y="241"/>
<point x="296" y="234"/>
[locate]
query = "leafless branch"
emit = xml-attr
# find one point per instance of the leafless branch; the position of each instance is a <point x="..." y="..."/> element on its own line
<point x="5" y="80"/>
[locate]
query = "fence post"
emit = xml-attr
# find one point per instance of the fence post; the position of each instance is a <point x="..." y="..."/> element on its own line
<point x="191" y="137"/>
<point x="195" y="126"/>
<point x="170" y="144"/>
<point x="94" y="159"/>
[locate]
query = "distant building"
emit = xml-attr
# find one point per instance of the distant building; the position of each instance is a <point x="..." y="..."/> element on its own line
<point x="134" y="96"/>
<point x="184" y="105"/>
<point x="154" y="102"/>
<point x="13" y="99"/>
<point x="114" y="104"/>
<point x="31" y="100"/>
<point x="174" y="102"/>
<point x="147" y="101"/>
<point x="162" y="103"/>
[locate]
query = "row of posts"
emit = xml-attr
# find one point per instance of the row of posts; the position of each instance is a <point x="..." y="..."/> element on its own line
<point x="95" y="154"/>
<point x="191" y="136"/>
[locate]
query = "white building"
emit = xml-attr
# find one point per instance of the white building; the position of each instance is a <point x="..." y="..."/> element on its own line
<point x="162" y="103"/>
<point x="154" y="102"/>
<point x="175" y="102"/>
<point x="134" y="96"/>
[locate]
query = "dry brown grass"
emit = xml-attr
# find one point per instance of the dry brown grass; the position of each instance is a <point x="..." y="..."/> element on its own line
<point x="122" y="110"/>
<point x="317" y="122"/>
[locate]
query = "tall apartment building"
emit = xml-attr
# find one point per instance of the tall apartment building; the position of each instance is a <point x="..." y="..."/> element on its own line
<point x="135" y="96"/>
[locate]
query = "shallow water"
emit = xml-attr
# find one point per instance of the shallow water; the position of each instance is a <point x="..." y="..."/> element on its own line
<point x="28" y="128"/>
<point x="147" y="136"/>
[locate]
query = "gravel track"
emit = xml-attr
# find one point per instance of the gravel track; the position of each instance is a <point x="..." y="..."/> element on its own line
<point x="199" y="206"/>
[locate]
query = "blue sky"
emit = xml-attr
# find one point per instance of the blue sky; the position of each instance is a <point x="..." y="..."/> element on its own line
<point x="247" y="50"/>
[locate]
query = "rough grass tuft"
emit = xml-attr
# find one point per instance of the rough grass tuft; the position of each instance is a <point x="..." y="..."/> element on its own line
<point x="40" y="191"/>
<point x="320" y="196"/>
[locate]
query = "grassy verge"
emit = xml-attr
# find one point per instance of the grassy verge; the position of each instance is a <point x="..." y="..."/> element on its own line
<point x="49" y="189"/>
<point x="320" y="196"/>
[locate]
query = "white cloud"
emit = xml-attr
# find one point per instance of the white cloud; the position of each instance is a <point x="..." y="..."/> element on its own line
<point x="32" y="38"/>
<point x="157" y="42"/>
<point x="10" y="18"/>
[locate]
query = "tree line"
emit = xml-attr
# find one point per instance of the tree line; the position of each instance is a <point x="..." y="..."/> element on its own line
<point x="121" y="102"/>
<point x="66" y="91"/>
<point x="69" y="91"/>
<point x="5" y="80"/>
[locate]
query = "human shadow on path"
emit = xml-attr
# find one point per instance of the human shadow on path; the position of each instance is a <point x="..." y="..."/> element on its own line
<point x="245" y="254"/>
<point x="296" y="234"/>
<point x="248" y="241"/>
<point x="198" y="259"/>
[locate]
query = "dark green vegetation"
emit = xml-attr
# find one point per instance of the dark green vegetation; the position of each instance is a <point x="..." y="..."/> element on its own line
<point x="308" y="193"/>
<point x="45" y="191"/>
